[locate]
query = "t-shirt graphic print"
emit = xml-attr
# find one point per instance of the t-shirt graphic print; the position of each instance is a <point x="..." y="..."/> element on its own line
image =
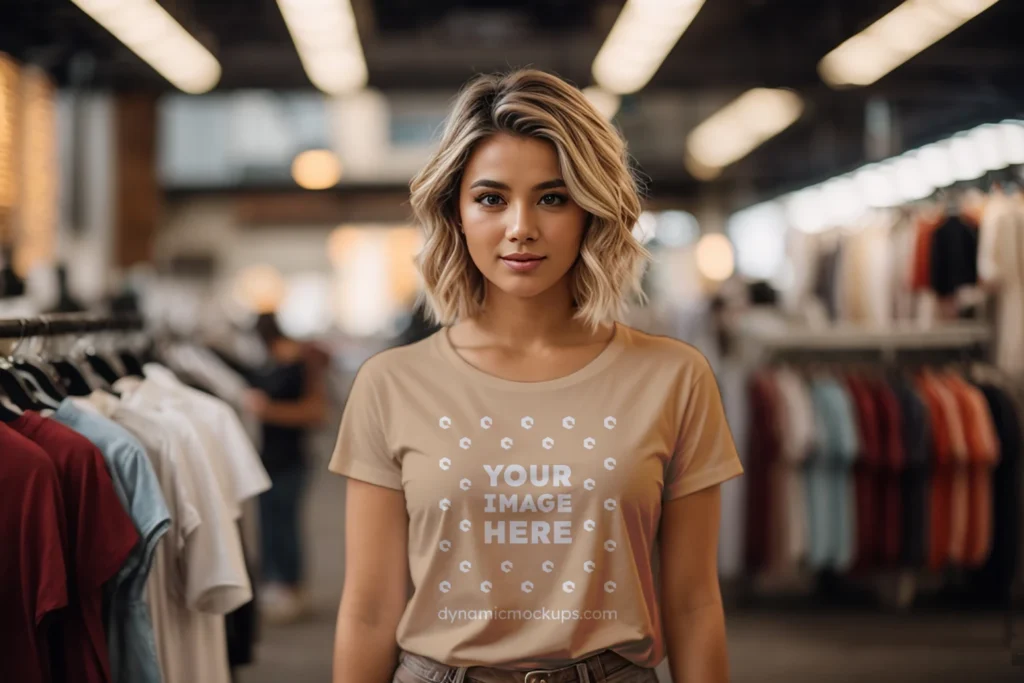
<point x="534" y="507"/>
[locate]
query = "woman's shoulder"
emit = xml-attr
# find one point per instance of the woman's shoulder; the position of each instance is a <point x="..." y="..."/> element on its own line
<point x="664" y="350"/>
<point x="400" y="359"/>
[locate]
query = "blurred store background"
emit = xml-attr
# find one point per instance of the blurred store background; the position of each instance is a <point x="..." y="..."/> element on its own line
<point x="832" y="184"/>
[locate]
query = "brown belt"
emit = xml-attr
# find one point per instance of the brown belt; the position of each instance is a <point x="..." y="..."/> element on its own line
<point x="593" y="669"/>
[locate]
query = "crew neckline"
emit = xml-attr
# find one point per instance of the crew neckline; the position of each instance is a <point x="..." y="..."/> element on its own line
<point x="611" y="351"/>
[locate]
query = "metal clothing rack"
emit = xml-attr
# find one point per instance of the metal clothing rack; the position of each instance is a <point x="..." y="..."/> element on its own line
<point x="768" y="338"/>
<point x="68" y="324"/>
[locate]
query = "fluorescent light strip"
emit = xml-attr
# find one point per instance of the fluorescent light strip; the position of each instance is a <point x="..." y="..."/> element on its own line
<point x="739" y="128"/>
<point x="909" y="177"/>
<point x="895" y="38"/>
<point x="151" y="33"/>
<point x="638" y="43"/>
<point x="327" y="40"/>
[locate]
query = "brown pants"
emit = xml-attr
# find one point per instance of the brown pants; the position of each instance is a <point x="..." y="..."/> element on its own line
<point x="604" y="667"/>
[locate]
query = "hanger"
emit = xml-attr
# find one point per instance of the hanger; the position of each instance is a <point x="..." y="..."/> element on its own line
<point x="102" y="366"/>
<point x="35" y="375"/>
<point x="19" y="391"/>
<point x="71" y="377"/>
<point x="8" y="410"/>
<point x="132" y="365"/>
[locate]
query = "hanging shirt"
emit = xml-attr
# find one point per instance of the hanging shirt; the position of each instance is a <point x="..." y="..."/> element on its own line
<point x="33" y="574"/>
<point x="100" y="538"/>
<point x="954" y="256"/>
<point x="798" y="439"/>
<point x="199" y="571"/>
<point x="917" y="443"/>
<point x="1001" y="266"/>
<point x="129" y="628"/>
<point x="244" y="471"/>
<point x="536" y="499"/>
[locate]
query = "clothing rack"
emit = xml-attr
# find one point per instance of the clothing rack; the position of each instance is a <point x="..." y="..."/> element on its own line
<point x="767" y="339"/>
<point x="68" y="323"/>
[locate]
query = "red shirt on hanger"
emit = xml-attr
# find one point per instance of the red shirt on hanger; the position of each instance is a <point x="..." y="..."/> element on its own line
<point x="33" y="578"/>
<point x="100" y="537"/>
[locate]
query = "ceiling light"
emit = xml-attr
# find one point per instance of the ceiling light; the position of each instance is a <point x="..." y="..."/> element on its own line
<point x="936" y="164"/>
<point x="876" y="186"/>
<point x="605" y="102"/>
<point x="895" y="38"/>
<point x="910" y="182"/>
<point x="842" y="200"/>
<point x="805" y="210"/>
<point x="638" y="43"/>
<point x="327" y="40"/>
<point x="715" y="259"/>
<point x="739" y="128"/>
<point x="316" y="169"/>
<point x="1012" y="133"/>
<point x="965" y="158"/>
<point x="988" y="147"/>
<point x="151" y="33"/>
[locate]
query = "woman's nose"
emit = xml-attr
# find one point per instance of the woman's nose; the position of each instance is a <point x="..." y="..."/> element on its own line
<point x="523" y="226"/>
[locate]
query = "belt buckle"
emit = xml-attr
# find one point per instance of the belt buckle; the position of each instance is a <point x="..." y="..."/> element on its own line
<point x="537" y="676"/>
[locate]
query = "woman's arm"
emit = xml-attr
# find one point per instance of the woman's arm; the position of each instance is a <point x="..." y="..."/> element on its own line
<point x="691" y="598"/>
<point x="376" y="584"/>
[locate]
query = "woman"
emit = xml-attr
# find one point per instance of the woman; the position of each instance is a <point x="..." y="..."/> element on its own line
<point x="289" y="399"/>
<point x="522" y="462"/>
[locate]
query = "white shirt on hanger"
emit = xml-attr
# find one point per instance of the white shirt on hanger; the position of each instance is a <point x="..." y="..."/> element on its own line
<point x="248" y="477"/>
<point x="199" y="571"/>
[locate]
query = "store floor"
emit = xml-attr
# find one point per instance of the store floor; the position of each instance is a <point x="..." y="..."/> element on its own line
<point x="763" y="647"/>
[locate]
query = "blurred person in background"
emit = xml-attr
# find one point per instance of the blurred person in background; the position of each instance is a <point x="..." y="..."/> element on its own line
<point x="290" y="400"/>
<point x="528" y="207"/>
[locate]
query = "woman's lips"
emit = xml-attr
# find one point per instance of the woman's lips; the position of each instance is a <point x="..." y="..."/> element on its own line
<point x="523" y="265"/>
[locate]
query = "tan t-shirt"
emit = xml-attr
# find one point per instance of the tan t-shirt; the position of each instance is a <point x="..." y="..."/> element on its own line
<point x="534" y="507"/>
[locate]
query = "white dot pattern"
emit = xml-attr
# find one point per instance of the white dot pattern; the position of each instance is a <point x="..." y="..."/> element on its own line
<point x="527" y="422"/>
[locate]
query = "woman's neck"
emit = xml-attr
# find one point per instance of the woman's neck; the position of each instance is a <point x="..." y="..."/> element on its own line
<point x="544" y="320"/>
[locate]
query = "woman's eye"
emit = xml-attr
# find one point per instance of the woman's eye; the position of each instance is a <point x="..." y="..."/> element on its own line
<point x="553" y="199"/>
<point x="489" y="199"/>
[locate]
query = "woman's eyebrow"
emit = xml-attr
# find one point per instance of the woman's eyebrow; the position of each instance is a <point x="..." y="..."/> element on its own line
<point x="550" y="184"/>
<point x="495" y="185"/>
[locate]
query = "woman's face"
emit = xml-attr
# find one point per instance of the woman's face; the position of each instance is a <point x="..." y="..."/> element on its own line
<point x="522" y="228"/>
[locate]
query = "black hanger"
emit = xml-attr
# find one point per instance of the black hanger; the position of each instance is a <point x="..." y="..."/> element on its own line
<point x="102" y="368"/>
<point x="21" y="390"/>
<point x="132" y="365"/>
<point x="72" y="378"/>
<point x="8" y="411"/>
<point x="41" y="378"/>
<point x="16" y="389"/>
<point x="38" y="393"/>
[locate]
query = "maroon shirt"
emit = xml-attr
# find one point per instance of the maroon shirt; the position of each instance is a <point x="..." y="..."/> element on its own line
<point x="32" y="573"/>
<point x="100" y="537"/>
<point x="866" y="474"/>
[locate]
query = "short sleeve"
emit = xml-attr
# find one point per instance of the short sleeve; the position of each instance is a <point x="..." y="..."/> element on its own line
<point x="705" y="452"/>
<point x="106" y="534"/>
<point x="361" y="451"/>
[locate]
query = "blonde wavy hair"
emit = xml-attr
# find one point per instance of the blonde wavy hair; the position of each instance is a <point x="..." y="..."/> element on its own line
<point x="597" y="174"/>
